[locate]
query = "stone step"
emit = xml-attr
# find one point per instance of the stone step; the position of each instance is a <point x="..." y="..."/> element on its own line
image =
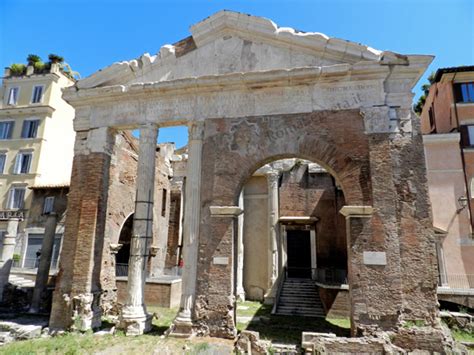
<point x="20" y="281"/>
<point x="300" y="298"/>
<point x="284" y="313"/>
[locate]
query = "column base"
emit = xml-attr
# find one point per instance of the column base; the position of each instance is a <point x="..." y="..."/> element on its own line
<point x="182" y="327"/>
<point x="240" y="296"/>
<point x="134" y="321"/>
<point x="86" y="312"/>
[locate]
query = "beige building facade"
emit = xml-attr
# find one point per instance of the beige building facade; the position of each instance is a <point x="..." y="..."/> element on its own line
<point x="447" y="123"/>
<point x="36" y="149"/>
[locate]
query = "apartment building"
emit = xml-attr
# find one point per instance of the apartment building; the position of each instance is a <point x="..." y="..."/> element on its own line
<point x="36" y="151"/>
<point x="447" y="123"/>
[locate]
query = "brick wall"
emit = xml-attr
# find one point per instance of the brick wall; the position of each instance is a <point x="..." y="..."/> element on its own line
<point x="83" y="242"/>
<point x="174" y="229"/>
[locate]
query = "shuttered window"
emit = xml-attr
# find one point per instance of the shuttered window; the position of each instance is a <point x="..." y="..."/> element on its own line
<point x="22" y="163"/>
<point x="37" y="94"/>
<point x="6" y="129"/>
<point x="16" y="198"/>
<point x="13" y="96"/>
<point x="30" y="128"/>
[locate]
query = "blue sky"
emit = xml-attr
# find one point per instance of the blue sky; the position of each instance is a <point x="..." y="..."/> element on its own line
<point x="92" y="34"/>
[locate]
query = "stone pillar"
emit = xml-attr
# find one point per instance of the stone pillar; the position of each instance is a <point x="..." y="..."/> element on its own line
<point x="273" y="228"/>
<point x="7" y="253"/>
<point x="358" y="229"/>
<point x="182" y="325"/>
<point x="134" y="318"/>
<point x="42" y="274"/>
<point x="76" y="297"/>
<point x="240" y="292"/>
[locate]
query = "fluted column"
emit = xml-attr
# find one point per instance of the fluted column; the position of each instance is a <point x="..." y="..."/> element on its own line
<point x="45" y="261"/>
<point x="273" y="216"/>
<point x="7" y="253"/>
<point x="240" y="292"/>
<point x="134" y="318"/>
<point x="182" y="325"/>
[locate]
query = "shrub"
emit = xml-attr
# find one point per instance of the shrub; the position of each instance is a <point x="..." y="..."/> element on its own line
<point x="54" y="58"/>
<point x="32" y="59"/>
<point x="39" y="66"/>
<point x="17" y="69"/>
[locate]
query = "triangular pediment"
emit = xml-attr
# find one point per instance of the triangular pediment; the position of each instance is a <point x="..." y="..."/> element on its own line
<point x="231" y="42"/>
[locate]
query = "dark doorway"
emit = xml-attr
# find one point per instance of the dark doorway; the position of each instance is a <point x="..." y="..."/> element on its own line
<point x="299" y="254"/>
<point x="121" y="259"/>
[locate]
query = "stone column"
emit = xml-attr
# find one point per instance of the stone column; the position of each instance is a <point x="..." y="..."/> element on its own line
<point x="45" y="262"/>
<point x="182" y="325"/>
<point x="240" y="292"/>
<point x="134" y="318"/>
<point x="443" y="280"/>
<point x="358" y="229"/>
<point x="7" y="253"/>
<point x="273" y="217"/>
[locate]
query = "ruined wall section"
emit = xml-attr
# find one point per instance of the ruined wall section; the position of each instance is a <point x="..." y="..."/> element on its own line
<point x="417" y="241"/>
<point x="121" y="204"/>
<point x="249" y="143"/>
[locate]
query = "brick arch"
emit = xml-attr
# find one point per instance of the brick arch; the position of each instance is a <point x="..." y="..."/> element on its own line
<point x="234" y="149"/>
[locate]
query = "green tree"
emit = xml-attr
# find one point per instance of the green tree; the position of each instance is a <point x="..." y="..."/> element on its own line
<point x="418" y="107"/>
<point x="32" y="59"/>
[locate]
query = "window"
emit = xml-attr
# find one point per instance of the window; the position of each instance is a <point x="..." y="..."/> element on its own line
<point x="2" y="235"/>
<point x="22" y="163"/>
<point x="16" y="198"/>
<point x="6" y="129"/>
<point x="464" y="92"/>
<point x="3" y="158"/>
<point x="48" y="205"/>
<point x="163" y="203"/>
<point x="33" y="251"/>
<point x="30" y="128"/>
<point x="37" y="94"/>
<point x="13" y="96"/>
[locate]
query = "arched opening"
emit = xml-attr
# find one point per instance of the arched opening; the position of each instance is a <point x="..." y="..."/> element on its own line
<point x="123" y="255"/>
<point x="291" y="262"/>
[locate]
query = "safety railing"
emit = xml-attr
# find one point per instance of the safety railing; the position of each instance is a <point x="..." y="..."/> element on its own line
<point x="281" y="280"/>
<point x="121" y="269"/>
<point x="32" y="263"/>
<point x="460" y="281"/>
<point x="328" y="276"/>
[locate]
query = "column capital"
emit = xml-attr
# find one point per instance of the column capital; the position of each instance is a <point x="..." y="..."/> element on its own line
<point x="272" y="176"/>
<point x="356" y="211"/>
<point x="114" y="248"/>
<point x="225" y="211"/>
<point x="196" y="130"/>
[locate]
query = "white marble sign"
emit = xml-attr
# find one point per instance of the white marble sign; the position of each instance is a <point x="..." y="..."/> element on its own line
<point x="375" y="258"/>
<point x="220" y="260"/>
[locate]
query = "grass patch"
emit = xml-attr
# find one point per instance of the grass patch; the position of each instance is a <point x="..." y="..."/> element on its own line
<point x="87" y="343"/>
<point x="462" y="335"/>
<point x="285" y="329"/>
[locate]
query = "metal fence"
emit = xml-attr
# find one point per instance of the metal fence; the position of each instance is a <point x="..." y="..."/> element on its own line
<point x="121" y="269"/>
<point x="32" y="263"/>
<point x="329" y="276"/>
<point x="460" y="281"/>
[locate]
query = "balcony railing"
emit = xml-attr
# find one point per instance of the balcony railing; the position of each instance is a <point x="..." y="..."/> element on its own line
<point x="32" y="263"/>
<point x="460" y="281"/>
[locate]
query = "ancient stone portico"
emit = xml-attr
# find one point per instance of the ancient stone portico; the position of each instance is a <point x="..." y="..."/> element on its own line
<point x="251" y="93"/>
